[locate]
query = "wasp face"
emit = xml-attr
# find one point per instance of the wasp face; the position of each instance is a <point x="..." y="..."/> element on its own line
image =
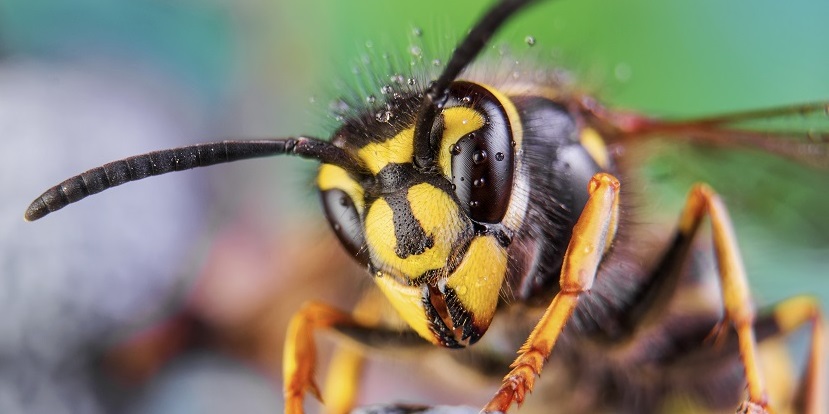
<point x="436" y="238"/>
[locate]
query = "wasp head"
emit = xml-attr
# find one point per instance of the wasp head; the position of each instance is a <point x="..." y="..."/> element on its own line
<point x="433" y="236"/>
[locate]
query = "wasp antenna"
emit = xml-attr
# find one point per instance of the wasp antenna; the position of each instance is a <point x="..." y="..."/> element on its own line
<point x="178" y="159"/>
<point x="464" y="54"/>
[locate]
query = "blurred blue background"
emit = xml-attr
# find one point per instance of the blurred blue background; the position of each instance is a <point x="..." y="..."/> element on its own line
<point x="90" y="81"/>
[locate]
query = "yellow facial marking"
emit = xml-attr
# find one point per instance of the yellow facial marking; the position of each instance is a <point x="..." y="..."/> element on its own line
<point x="595" y="146"/>
<point x="438" y="216"/>
<point x="408" y="301"/>
<point x="332" y="177"/>
<point x="458" y="121"/>
<point x="399" y="149"/>
<point x="477" y="280"/>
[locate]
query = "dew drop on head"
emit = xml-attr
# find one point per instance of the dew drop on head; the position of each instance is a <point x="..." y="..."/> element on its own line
<point x="479" y="157"/>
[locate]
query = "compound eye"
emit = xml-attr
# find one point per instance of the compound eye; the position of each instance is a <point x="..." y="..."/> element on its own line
<point x="345" y="220"/>
<point x="483" y="161"/>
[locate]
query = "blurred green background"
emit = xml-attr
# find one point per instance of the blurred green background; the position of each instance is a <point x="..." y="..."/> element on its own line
<point x="674" y="59"/>
<point x="260" y="68"/>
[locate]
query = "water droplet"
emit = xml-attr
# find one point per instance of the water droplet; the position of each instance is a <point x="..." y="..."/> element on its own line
<point x="454" y="187"/>
<point x="436" y="62"/>
<point x="386" y="89"/>
<point x="479" y="157"/>
<point x="622" y="72"/>
<point x="466" y="100"/>
<point x="339" y="118"/>
<point x="339" y="106"/>
<point x="513" y="143"/>
<point x="337" y="227"/>
<point x="464" y="122"/>
<point x="371" y="99"/>
<point x="530" y="40"/>
<point x="454" y="149"/>
<point x="463" y="179"/>
<point x="474" y="204"/>
<point x="417" y="31"/>
<point x="479" y="182"/>
<point x="416" y="51"/>
<point x="410" y="81"/>
<point x="499" y="156"/>
<point x="384" y="116"/>
<point x="398" y="79"/>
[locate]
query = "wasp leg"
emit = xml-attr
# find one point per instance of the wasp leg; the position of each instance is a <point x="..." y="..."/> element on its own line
<point x="737" y="303"/>
<point x="778" y="321"/>
<point x="346" y="366"/>
<point x="342" y="382"/>
<point x="789" y="316"/>
<point x="299" y="358"/>
<point x="591" y="238"/>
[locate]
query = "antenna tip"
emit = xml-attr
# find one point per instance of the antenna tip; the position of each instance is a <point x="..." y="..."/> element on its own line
<point x="36" y="210"/>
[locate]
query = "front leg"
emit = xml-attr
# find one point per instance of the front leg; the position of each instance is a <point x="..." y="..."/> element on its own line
<point x="591" y="239"/>
<point x="364" y="331"/>
<point x="300" y="354"/>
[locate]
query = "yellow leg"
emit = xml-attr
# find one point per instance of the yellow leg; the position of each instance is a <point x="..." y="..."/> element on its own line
<point x="300" y="359"/>
<point x="300" y="356"/>
<point x="737" y="303"/>
<point x="346" y="368"/>
<point x="789" y="316"/>
<point x="591" y="238"/>
<point x="343" y="380"/>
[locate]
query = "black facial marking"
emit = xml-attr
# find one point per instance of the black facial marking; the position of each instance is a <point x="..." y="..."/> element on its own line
<point x="502" y="234"/>
<point x="411" y="239"/>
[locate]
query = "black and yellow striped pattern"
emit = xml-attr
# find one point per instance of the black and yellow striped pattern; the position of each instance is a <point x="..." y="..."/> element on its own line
<point x="442" y="266"/>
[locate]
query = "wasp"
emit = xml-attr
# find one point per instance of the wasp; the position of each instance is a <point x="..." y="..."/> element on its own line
<point x="494" y="215"/>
